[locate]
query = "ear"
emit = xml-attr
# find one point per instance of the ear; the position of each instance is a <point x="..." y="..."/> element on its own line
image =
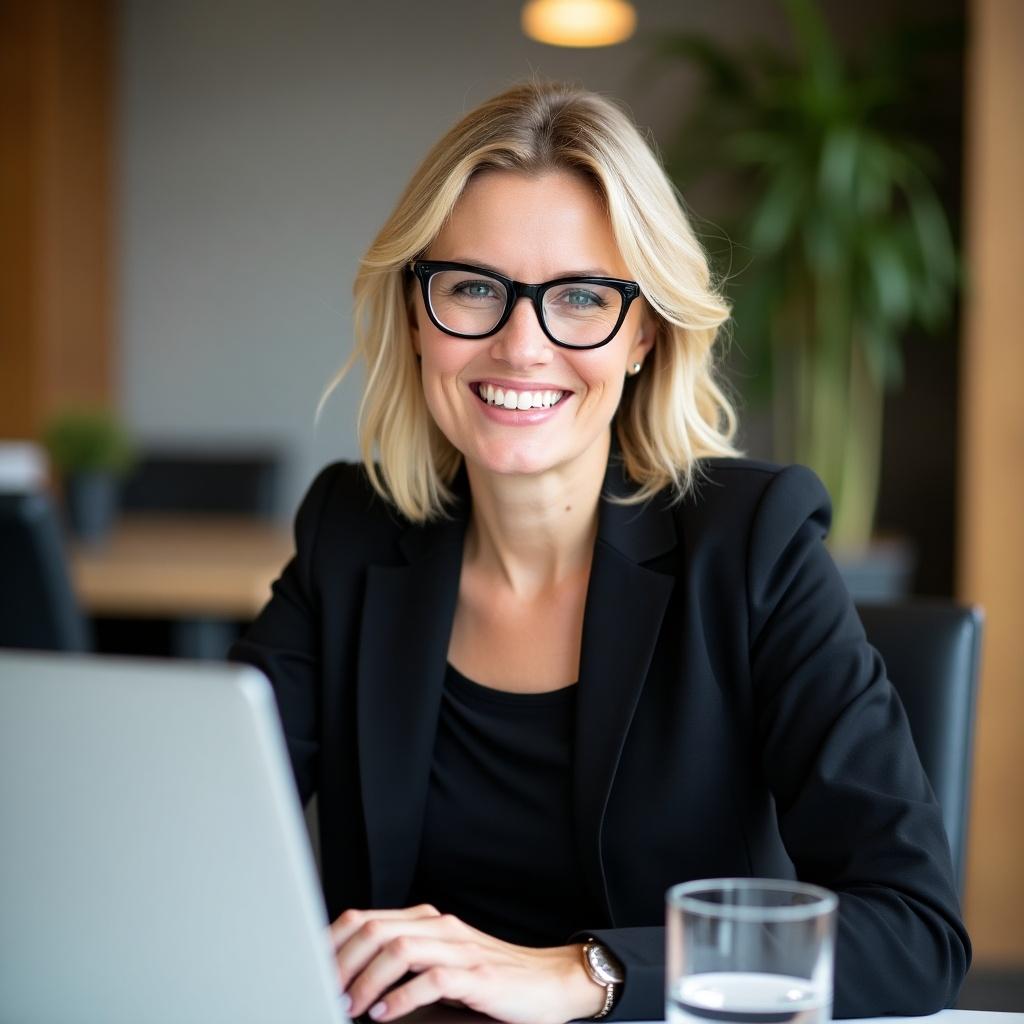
<point x="643" y="342"/>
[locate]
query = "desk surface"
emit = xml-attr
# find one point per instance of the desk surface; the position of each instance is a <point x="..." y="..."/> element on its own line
<point x="957" y="1017"/>
<point x="181" y="566"/>
<point x="446" y="1015"/>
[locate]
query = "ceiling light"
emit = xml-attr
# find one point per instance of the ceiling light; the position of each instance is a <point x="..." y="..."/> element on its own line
<point x="579" y="22"/>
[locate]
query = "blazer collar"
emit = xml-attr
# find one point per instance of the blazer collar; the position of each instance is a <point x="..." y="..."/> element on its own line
<point x="639" y="533"/>
<point x="407" y="617"/>
<point x="422" y="540"/>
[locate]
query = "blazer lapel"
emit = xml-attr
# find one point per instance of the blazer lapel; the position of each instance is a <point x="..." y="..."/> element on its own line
<point x="624" y="610"/>
<point x="403" y="646"/>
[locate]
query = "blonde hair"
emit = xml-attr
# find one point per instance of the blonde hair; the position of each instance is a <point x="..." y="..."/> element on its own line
<point x="672" y="414"/>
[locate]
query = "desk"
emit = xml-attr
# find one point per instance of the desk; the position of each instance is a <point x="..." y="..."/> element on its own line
<point x="200" y="571"/>
<point x="956" y="1017"/>
<point x="453" y="1015"/>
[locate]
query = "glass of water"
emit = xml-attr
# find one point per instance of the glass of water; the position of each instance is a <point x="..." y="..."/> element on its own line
<point x="749" y="950"/>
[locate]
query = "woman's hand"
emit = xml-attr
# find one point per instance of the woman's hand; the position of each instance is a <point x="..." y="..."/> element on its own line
<point x="375" y="949"/>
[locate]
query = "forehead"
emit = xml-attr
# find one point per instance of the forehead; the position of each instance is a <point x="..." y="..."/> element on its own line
<point x="531" y="227"/>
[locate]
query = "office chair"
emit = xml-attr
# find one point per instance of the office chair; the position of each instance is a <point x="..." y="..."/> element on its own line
<point x="38" y="608"/>
<point x="931" y="652"/>
<point x="206" y="481"/>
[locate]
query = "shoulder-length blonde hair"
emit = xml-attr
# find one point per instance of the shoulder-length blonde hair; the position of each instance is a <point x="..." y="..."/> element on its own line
<point x="670" y="415"/>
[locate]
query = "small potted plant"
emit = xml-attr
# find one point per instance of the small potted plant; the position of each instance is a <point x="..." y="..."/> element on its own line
<point x="91" y="451"/>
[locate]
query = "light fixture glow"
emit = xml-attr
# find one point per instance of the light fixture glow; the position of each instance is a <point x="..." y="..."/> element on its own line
<point x="579" y="22"/>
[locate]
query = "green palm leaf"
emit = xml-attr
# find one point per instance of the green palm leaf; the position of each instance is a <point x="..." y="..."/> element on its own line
<point x="846" y="245"/>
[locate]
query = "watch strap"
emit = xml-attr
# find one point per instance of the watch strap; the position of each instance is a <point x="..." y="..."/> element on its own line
<point x="608" y="986"/>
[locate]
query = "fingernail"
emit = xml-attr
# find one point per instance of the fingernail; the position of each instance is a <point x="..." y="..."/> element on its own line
<point x="346" y="1001"/>
<point x="377" y="1010"/>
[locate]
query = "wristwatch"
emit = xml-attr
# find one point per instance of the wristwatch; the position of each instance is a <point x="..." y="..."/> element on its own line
<point x="603" y="969"/>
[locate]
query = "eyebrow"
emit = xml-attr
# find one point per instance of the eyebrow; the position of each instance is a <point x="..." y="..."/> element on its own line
<point x="584" y="272"/>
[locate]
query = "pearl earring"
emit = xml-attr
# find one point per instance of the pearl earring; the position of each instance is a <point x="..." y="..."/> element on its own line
<point x="635" y="370"/>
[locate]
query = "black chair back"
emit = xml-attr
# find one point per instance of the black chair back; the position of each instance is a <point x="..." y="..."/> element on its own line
<point x="210" y="482"/>
<point x="931" y="652"/>
<point x="38" y="608"/>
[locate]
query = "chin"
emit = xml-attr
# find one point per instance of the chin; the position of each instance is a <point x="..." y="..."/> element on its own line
<point x="513" y="460"/>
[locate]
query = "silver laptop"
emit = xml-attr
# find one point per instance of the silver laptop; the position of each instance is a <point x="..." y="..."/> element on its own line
<point x="154" y="864"/>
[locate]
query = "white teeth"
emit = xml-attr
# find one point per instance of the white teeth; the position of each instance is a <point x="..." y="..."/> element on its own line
<point x="519" y="399"/>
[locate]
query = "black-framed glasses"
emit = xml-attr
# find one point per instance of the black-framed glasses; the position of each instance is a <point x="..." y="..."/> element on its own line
<point x="574" y="312"/>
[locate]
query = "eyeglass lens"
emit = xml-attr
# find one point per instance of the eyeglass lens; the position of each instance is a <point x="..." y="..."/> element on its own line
<point x="575" y="312"/>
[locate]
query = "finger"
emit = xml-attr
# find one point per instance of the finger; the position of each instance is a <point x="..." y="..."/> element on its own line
<point x="400" y="956"/>
<point x="351" y="921"/>
<point x="366" y="942"/>
<point x="454" y="983"/>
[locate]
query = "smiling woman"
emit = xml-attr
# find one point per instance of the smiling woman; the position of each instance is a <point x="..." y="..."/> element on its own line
<point x="614" y="210"/>
<point x="554" y="646"/>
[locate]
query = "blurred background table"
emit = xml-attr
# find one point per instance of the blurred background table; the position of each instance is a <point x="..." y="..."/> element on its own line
<point x="203" y="572"/>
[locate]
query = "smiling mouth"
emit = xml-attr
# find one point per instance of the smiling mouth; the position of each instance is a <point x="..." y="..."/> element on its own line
<point x="509" y="399"/>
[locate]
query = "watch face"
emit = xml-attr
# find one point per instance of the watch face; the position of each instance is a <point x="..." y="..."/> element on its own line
<point x="606" y="967"/>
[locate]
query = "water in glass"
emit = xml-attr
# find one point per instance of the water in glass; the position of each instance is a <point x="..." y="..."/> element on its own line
<point x="746" y="997"/>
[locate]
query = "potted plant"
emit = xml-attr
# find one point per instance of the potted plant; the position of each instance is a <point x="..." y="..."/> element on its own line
<point x="840" y="242"/>
<point x="91" y="451"/>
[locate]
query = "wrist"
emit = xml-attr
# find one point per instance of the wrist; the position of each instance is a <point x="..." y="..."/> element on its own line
<point x="586" y="998"/>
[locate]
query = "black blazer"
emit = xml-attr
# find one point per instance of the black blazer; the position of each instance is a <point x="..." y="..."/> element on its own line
<point x="732" y="720"/>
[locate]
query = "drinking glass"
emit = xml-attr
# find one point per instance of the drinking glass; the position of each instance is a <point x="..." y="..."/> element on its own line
<point x="749" y="950"/>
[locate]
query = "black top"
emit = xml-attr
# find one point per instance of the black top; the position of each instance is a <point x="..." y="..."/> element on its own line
<point x="731" y="719"/>
<point x="497" y="847"/>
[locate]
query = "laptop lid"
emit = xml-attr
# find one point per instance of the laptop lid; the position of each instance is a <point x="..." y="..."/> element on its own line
<point x="154" y="864"/>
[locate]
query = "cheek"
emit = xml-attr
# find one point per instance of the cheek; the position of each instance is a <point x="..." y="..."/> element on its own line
<point x="440" y="366"/>
<point x="604" y="384"/>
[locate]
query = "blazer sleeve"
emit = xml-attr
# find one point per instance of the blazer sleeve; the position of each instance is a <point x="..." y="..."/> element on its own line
<point x="284" y="640"/>
<point x="855" y="810"/>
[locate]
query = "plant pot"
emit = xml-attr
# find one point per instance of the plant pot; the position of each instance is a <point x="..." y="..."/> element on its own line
<point x="91" y="501"/>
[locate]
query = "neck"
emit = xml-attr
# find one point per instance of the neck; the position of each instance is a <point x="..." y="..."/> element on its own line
<point x="536" y="531"/>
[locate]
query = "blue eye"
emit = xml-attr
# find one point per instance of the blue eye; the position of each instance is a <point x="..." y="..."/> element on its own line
<point x="474" y="289"/>
<point x="580" y="299"/>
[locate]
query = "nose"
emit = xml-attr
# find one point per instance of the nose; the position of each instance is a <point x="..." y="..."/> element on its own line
<point x="522" y="341"/>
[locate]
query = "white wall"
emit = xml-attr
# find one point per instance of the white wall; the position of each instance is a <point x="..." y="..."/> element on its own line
<point x="261" y="145"/>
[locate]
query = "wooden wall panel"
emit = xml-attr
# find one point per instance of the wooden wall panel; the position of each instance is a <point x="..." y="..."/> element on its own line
<point x="56" y="271"/>
<point x="991" y="548"/>
<point x="17" y="323"/>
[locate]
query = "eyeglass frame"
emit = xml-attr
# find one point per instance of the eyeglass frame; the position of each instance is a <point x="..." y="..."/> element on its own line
<point x="424" y="270"/>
